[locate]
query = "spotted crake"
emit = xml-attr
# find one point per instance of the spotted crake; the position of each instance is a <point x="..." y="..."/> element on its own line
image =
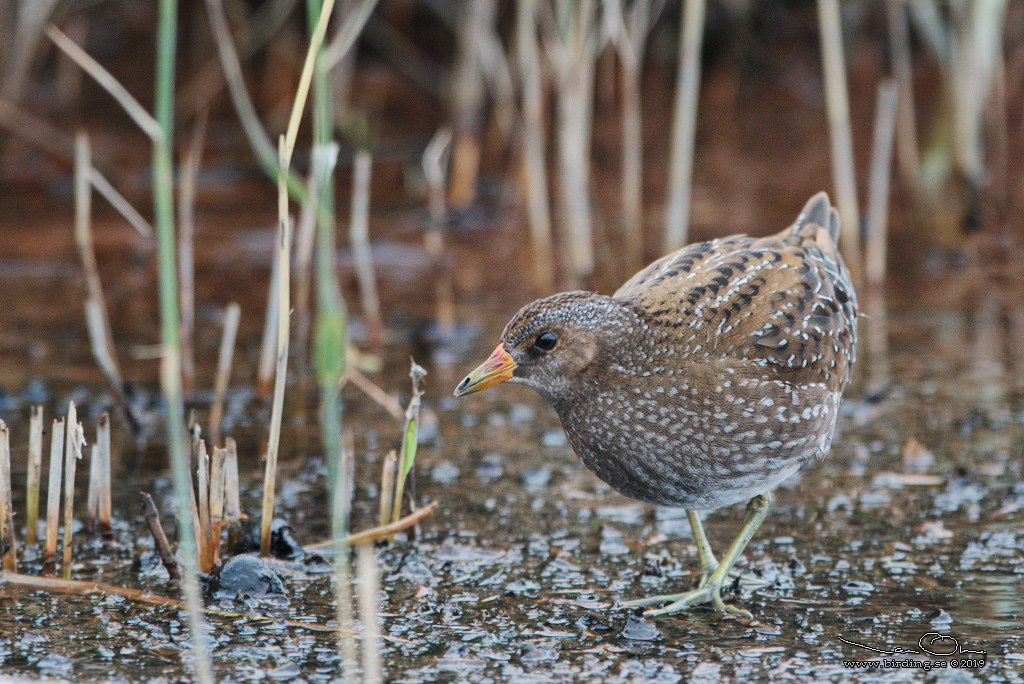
<point x="707" y="379"/>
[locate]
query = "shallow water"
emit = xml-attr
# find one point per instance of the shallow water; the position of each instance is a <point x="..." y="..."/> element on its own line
<point x="518" y="575"/>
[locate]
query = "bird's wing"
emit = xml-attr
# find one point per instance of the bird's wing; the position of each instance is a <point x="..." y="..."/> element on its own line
<point x="784" y="302"/>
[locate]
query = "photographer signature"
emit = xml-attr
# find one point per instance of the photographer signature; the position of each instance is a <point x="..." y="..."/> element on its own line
<point x="930" y="643"/>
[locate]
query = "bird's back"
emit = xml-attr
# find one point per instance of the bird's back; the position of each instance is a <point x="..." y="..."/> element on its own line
<point x="785" y="302"/>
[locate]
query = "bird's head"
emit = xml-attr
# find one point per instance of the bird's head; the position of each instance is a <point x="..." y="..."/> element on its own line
<point x="552" y="344"/>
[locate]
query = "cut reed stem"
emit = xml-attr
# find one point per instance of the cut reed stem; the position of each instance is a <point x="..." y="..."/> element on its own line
<point x="575" y="66"/>
<point x="902" y="69"/>
<point x="216" y="503"/>
<point x="73" y="441"/>
<point x="53" y="497"/>
<point x="387" y="486"/>
<point x="265" y="367"/>
<point x="232" y="500"/>
<point x="35" y="465"/>
<point x="684" y="125"/>
<point x="369" y="613"/>
<point x="838" y="106"/>
<point x="186" y="258"/>
<point x="280" y="376"/>
<point x="203" y="477"/>
<point x="96" y="317"/>
<point x="878" y="184"/>
<point x="92" y="502"/>
<point x="534" y="168"/>
<point x="224" y="358"/>
<point x="359" y="236"/>
<point x="8" y="539"/>
<point x="105" y="506"/>
<point x="340" y="506"/>
<point x="435" y="166"/>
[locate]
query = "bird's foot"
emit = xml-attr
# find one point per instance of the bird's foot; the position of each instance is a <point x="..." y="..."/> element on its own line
<point x="734" y="574"/>
<point x="707" y="591"/>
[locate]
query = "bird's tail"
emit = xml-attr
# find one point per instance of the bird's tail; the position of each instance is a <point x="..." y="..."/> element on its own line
<point x="818" y="213"/>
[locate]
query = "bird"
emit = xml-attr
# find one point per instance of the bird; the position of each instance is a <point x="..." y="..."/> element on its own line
<point x="706" y="380"/>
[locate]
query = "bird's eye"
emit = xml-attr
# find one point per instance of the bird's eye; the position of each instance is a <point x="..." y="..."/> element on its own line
<point x="546" y="341"/>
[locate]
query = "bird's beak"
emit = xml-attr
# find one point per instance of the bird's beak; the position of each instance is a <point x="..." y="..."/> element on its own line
<point x="497" y="368"/>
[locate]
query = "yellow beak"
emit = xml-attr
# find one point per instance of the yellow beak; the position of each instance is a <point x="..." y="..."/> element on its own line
<point x="497" y="368"/>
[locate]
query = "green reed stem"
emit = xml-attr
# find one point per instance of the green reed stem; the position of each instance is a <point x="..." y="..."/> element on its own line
<point x="170" y="372"/>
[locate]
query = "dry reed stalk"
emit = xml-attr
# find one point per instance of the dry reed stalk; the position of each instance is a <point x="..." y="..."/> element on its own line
<point x="163" y="548"/>
<point x="684" y="125"/>
<point x="67" y="79"/>
<point x="203" y="534"/>
<point x="54" y="585"/>
<point x="408" y="59"/>
<point x="36" y="131"/>
<point x="325" y="158"/>
<point x="468" y="102"/>
<point x="838" y="106"/>
<point x="106" y="485"/>
<point x="359" y="237"/>
<point x="135" y="110"/>
<point x="35" y="465"/>
<point x="629" y="33"/>
<point x="435" y="164"/>
<point x="574" y="62"/>
<point x="989" y="364"/>
<point x="265" y="367"/>
<point x="1016" y="339"/>
<point x="117" y="200"/>
<point x="878" y="184"/>
<point x="280" y="376"/>
<point x="340" y="503"/>
<point x="370" y="389"/>
<point x="534" y="168"/>
<point x="387" y="486"/>
<point x="232" y="500"/>
<point x="92" y="502"/>
<point x="53" y="497"/>
<point x="205" y="82"/>
<point x="876" y="339"/>
<point x="902" y="69"/>
<point x="232" y="69"/>
<point x="217" y="480"/>
<point x="74" y="440"/>
<point x="195" y="446"/>
<point x="377" y="533"/>
<point x="97" y="318"/>
<point x="370" y="614"/>
<point x="188" y="177"/>
<point x="31" y="17"/>
<point x="352" y="24"/>
<point x="224" y="358"/>
<point x="8" y="539"/>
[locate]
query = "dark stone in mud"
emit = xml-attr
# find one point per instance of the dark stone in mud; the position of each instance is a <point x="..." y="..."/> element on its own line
<point x="282" y="543"/>
<point x="245" y="576"/>
<point x="639" y="629"/>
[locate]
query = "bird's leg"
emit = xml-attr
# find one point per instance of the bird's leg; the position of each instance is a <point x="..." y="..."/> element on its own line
<point x="710" y="590"/>
<point x="708" y="562"/>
